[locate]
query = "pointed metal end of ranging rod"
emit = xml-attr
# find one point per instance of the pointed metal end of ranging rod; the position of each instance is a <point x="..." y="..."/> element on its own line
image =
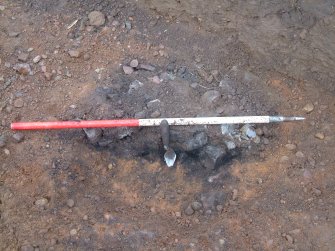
<point x="285" y="119"/>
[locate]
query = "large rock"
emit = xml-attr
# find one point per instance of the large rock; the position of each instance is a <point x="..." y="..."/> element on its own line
<point x="199" y="140"/>
<point x="211" y="157"/>
<point x="96" y="18"/>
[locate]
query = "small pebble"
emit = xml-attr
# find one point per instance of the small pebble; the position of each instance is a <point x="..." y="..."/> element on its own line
<point x="308" y="108"/>
<point x="284" y="159"/>
<point x="189" y="211"/>
<point x="196" y="205"/>
<point x="320" y="136"/>
<point x="289" y="238"/>
<point x="291" y="147"/>
<point x="266" y="141"/>
<point x="235" y="193"/>
<point x="6" y="151"/>
<point x="316" y="191"/>
<point x="18" y="103"/>
<point x="18" y="137"/>
<point x="2" y="141"/>
<point x="41" y="202"/>
<point x="155" y="114"/>
<point x="178" y="214"/>
<point x="37" y="59"/>
<point x="74" y="53"/>
<point x="219" y="208"/>
<point x="134" y="63"/>
<point x="23" y="57"/>
<point x="300" y="154"/>
<point x="73" y="232"/>
<point x="85" y="217"/>
<point x="70" y="203"/>
<point x="127" y="69"/>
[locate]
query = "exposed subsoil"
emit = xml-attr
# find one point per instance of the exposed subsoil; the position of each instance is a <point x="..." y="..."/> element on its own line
<point x="255" y="187"/>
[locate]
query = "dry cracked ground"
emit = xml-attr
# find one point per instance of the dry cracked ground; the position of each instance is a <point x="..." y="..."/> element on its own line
<point x="251" y="187"/>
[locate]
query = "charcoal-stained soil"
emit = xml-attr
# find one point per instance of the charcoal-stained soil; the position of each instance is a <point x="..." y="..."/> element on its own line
<point x="241" y="187"/>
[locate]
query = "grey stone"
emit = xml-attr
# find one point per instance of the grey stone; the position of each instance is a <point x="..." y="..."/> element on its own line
<point x="291" y="147"/>
<point x="124" y="132"/>
<point x="74" y="53"/>
<point x="196" y="205"/>
<point x="18" y="137"/>
<point x="27" y="248"/>
<point x="18" y="103"/>
<point x="189" y="211"/>
<point x="23" y="57"/>
<point x="210" y="97"/>
<point x="128" y="25"/>
<point x="37" y="59"/>
<point x="248" y="131"/>
<point x="96" y="18"/>
<point x="230" y="145"/>
<point x="2" y="141"/>
<point x="212" y="156"/>
<point x="41" y="202"/>
<point x="154" y="104"/>
<point x="134" y="63"/>
<point x="93" y="134"/>
<point x="199" y="140"/>
<point x="146" y="67"/>
<point x="155" y="114"/>
<point x="300" y="154"/>
<point x="13" y="34"/>
<point x="140" y="115"/>
<point x="127" y="69"/>
<point x="23" y="69"/>
<point x="70" y="203"/>
<point x="135" y="85"/>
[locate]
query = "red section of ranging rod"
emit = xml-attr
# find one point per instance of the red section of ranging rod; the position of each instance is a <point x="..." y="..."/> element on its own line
<point x="74" y="124"/>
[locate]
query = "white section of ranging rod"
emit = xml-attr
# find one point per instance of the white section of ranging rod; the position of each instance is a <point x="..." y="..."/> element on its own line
<point x="218" y="120"/>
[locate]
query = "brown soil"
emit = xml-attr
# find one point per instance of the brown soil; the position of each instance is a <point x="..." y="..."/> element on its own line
<point x="58" y="191"/>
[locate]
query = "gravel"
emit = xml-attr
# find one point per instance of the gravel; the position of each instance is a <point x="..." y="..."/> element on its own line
<point x="2" y="141"/>
<point x="18" y="103"/>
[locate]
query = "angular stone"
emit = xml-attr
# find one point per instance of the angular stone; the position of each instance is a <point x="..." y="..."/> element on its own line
<point x="23" y="57"/>
<point x="210" y="97"/>
<point x="93" y="134"/>
<point x="18" y="137"/>
<point x="199" y="140"/>
<point x="212" y="156"/>
<point x="74" y="53"/>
